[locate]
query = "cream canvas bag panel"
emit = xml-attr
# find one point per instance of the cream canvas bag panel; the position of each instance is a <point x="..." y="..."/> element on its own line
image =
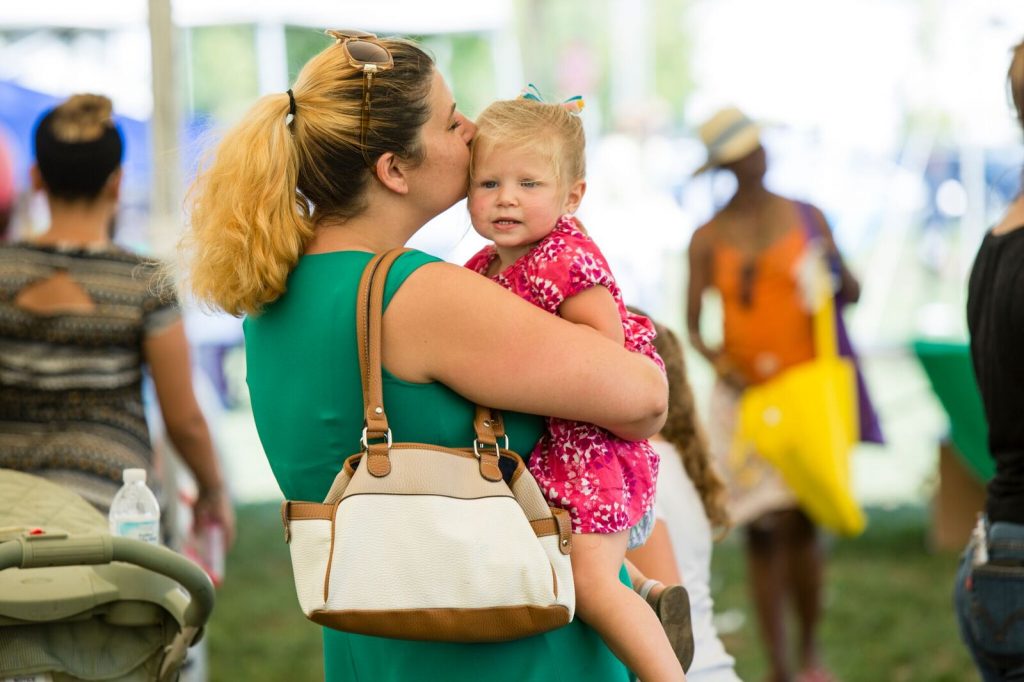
<point x="418" y="541"/>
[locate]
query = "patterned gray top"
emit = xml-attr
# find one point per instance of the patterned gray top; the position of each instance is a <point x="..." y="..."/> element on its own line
<point x="71" y="405"/>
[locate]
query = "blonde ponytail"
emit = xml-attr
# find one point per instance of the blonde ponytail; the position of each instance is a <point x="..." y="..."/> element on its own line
<point x="248" y="224"/>
<point x="255" y="206"/>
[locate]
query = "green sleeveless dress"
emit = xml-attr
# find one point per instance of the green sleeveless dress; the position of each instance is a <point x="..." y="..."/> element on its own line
<point x="303" y="377"/>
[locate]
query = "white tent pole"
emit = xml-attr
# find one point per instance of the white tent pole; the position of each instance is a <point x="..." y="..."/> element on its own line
<point x="271" y="58"/>
<point x="165" y="195"/>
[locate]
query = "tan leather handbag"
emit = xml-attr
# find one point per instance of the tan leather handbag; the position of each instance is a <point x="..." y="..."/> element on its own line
<point x="419" y="541"/>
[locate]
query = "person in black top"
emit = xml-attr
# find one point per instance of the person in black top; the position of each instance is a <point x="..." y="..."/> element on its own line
<point x="989" y="591"/>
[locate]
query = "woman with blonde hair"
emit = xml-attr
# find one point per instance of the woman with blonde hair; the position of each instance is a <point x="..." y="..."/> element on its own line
<point x="364" y="149"/>
<point x="989" y="593"/>
<point x="80" y="321"/>
<point x="690" y="513"/>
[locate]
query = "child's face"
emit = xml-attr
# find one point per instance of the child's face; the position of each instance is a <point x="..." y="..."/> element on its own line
<point x="514" y="198"/>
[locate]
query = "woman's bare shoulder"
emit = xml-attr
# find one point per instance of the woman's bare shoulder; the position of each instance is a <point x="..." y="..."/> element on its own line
<point x="1013" y="219"/>
<point x="704" y="236"/>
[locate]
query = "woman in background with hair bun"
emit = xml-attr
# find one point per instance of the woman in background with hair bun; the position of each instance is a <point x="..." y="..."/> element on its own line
<point x="80" y="320"/>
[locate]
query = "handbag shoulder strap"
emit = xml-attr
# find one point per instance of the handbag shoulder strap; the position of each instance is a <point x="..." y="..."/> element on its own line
<point x="824" y="319"/>
<point x="369" y="306"/>
<point x="487" y="424"/>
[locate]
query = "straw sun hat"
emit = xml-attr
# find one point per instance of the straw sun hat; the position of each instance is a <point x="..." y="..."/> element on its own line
<point x="729" y="135"/>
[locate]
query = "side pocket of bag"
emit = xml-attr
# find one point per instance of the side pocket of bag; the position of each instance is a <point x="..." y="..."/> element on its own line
<point x="309" y="534"/>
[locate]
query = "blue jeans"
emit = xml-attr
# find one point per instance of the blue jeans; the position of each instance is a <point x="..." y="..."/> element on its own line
<point x="989" y="602"/>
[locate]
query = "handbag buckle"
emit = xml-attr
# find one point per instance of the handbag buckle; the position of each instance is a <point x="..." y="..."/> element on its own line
<point x="387" y="435"/>
<point x="476" y="446"/>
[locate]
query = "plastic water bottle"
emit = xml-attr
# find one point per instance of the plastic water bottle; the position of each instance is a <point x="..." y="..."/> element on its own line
<point x="135" y="513"/>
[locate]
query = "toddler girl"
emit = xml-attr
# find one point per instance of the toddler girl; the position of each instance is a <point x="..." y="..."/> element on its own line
<point x="526" y="179"/>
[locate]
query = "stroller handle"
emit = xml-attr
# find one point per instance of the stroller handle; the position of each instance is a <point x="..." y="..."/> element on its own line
<point x="60" y="549"/>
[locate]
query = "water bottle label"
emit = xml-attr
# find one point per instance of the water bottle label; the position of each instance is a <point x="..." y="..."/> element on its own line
<point x="147" y="531"/>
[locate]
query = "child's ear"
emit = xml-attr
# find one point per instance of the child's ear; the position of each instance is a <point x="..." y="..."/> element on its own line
<point x="575" y="196"/>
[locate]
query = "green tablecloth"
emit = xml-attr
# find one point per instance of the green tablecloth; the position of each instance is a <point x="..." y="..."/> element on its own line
<point x="949" y="369"/>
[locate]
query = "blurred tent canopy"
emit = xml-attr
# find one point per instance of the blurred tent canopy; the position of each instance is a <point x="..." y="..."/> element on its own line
<point x="398" y="16"/>
<point x="21" y="105"/>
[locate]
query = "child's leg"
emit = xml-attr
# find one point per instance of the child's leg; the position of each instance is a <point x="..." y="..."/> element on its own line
<point x="623" y="619"/>
<point x="636" y="576"/>
<point x="671" y="603"/>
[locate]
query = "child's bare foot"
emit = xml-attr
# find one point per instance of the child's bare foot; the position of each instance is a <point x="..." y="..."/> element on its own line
<point x="672" y="604"/>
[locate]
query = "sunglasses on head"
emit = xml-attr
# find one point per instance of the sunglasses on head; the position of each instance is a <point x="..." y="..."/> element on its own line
<point x="366" y="53"/>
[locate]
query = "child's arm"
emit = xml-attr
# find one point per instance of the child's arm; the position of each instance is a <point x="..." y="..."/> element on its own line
<point x="595" y="308"/>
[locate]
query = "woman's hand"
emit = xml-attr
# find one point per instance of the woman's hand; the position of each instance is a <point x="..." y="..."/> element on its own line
<point x="213" y="508"/>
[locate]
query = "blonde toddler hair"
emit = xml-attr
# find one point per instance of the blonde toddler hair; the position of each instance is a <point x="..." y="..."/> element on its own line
<point x="549" y="129"/>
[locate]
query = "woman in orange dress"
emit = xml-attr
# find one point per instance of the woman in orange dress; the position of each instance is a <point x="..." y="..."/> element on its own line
<point x="755" y="252"/>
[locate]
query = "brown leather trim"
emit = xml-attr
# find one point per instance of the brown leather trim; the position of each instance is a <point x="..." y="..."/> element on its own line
<point x="554" y="580"/>
<point x="378" y="462"/>
<point x="307" y="510"/>
<point x="461" y="452"/>
<point x="520" y="468"/>
<point x="488" y="425"/>
<point x="369" y="328"/>
<point x="497" y="624"/>
<point x="330" y="556"/>
<point x="362" y="316"/>
<point x="423" y="471"/>
<point x="489" y="466"/>
<point x="544" y="527"/>
<point x="564" y="522"/>
<point x="369" y="312"/>
<point x="284" y="521"/>
<point x="559" y="524"/>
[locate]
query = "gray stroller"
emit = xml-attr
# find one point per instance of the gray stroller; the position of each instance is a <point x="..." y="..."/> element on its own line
<point x="78" y="604"/>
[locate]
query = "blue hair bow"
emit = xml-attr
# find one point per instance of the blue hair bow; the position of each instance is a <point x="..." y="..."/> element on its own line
<point x="574" y="104"/>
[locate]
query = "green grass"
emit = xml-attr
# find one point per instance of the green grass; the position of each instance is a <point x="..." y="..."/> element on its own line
<point x="888" y="613"/>
<point x="257" y="631"/>
<point x="888" y="616"/>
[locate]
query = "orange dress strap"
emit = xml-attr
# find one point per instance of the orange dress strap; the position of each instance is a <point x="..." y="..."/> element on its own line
<point x="766" y="326"/>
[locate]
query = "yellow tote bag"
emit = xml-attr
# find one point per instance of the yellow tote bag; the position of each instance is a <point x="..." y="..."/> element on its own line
<point x="804" y="422"/>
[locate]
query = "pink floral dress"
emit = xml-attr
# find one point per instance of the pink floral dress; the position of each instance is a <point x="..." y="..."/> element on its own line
<point x="604" y="482"/>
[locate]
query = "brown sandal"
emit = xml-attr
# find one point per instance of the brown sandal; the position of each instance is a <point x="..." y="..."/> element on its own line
<point x="673" y="608"/>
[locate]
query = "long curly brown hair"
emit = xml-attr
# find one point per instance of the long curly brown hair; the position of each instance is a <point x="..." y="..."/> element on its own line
<point x="683" y="430"/>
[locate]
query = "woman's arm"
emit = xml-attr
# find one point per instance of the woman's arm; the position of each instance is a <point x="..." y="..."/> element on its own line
<point x="451" y="325"/>
<point x="700" y="279"/>
<point x="596" y="308"/>
<point x="166" y="353"/>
